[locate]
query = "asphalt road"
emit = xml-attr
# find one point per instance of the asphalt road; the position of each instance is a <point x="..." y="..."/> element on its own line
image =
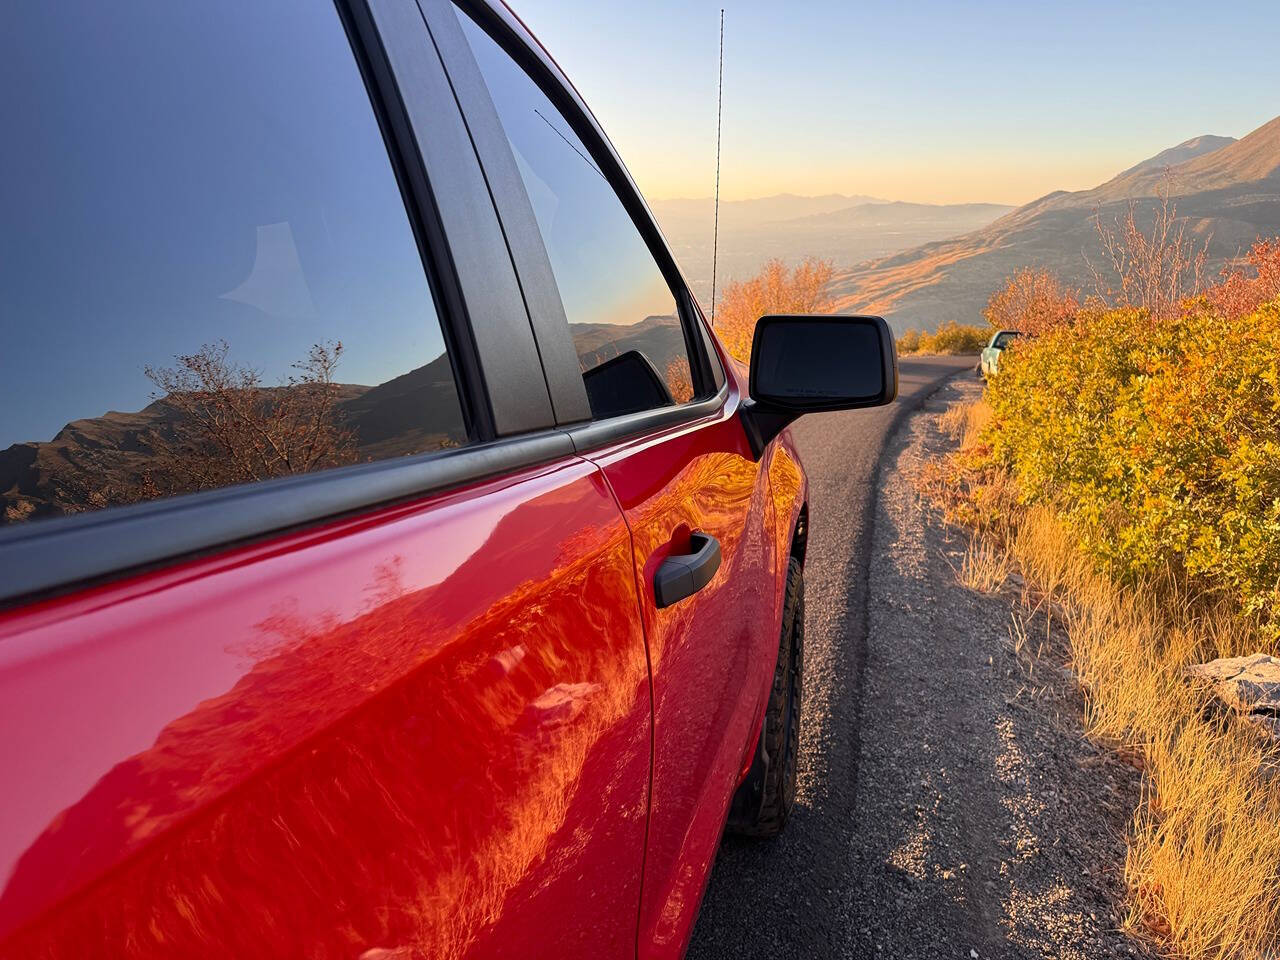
<point x="799" y="895"/>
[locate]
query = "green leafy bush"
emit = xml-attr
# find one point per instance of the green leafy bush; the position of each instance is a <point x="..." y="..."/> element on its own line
<point x="1159" y="440"/>
<point x="950" y="337"/>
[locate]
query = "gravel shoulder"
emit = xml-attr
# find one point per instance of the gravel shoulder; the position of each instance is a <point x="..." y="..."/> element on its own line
<point x="949" y="804"/>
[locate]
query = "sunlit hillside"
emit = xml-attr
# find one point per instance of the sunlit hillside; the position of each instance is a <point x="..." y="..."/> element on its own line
<point x="1228" y="191"/>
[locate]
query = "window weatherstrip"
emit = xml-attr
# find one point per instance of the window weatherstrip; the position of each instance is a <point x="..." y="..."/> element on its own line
<point x="600" y="433"/>
<point x="42" y="556"/>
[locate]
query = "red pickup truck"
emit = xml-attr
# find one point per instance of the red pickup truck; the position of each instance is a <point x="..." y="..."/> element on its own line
<point x="392" y="563"/>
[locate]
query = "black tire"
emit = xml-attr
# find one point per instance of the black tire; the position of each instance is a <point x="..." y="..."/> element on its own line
<point x="764" y="800"/>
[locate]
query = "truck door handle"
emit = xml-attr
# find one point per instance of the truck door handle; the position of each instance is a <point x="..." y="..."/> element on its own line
<point x="684" y="574"/>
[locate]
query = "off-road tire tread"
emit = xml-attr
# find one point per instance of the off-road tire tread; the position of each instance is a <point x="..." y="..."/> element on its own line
<point x="783" y="737"/>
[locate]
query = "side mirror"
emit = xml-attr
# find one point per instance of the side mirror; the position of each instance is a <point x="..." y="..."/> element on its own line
<point x="805" y="364"/>
<point x="625" y="384"/>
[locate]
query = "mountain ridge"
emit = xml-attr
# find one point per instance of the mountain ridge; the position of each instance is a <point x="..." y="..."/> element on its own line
<point x="1229" y="195"/>
<point x="884" y="208"/>
<point x="1186" y="150"/>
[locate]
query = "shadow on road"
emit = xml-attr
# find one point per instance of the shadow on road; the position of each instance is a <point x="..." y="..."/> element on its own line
<point x="800" y="895"/>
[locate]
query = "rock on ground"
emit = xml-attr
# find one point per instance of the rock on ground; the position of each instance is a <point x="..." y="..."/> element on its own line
<point x="1248" y="684"/>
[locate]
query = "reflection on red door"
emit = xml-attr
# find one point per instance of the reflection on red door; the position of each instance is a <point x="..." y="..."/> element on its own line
<point x="422" y="733"/>
<point x="712" y="655"/>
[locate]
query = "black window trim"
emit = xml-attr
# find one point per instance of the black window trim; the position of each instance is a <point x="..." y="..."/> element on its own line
<point x="496" y="363"/>
<point x="424" y="220"/>
<point x="516" y="211"/>
<point x="468" y="246"/>
<point x="44" y="557"/>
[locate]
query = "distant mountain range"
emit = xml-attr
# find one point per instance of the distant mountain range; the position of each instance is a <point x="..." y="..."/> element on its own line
<point x="1229" y="191"/>
<point x="843" y="228"/>
<point x="678" y="215"/>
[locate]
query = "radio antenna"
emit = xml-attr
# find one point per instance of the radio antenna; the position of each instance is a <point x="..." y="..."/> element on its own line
<point x="715" y="234"/>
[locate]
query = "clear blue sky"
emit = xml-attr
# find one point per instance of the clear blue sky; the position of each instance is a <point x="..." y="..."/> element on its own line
<point x="133" y="234"/>
<point x="922" y="100"/>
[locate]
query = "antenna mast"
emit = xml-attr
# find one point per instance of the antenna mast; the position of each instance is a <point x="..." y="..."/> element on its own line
<point x="715" y="235"/>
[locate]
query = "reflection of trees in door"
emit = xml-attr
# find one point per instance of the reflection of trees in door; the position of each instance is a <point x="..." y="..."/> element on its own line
<point x="213" y="423"/>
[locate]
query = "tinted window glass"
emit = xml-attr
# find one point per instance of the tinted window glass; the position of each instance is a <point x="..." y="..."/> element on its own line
<point x="618" y="303"/>
<point x="207" y="273"/>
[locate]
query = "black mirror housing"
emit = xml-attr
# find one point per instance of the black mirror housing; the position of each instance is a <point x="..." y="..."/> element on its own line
<point x="625" y="384"/>
<point x="808" y="364"/>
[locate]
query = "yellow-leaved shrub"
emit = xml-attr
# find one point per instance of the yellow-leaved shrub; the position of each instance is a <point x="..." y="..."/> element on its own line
<point x="949" y="338"/>
<point x="1159" y="441"/>
<point x="776" y="289"/>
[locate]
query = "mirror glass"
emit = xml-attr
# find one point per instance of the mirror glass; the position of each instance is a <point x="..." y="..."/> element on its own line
<point x="819" y="360"/>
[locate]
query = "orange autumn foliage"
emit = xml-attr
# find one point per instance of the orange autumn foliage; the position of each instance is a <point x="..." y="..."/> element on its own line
<point x="775" y="289"/>
<point x="1033" y="301"/>
<point x="1246" y="286"/>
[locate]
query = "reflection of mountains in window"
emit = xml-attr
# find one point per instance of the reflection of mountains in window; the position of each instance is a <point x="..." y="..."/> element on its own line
<point x="659" y="338"/>
<point x="213" y="424"/>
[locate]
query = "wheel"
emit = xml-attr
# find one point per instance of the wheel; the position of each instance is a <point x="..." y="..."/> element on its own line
<point x="765" y="798"/>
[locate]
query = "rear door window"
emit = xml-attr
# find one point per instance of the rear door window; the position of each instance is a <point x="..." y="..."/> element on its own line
<point x="1004" y="339"/>
<point x="207" y="272"/>
<point x="622" y="313"/>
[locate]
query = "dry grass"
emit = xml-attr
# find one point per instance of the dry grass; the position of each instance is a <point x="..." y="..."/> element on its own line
<point x="964" y="422"/>
<point x="970" y="496"/>
<point x="985" y="567"/>
<point x="1204" y="846"/>
<point x="1205" y="843"/>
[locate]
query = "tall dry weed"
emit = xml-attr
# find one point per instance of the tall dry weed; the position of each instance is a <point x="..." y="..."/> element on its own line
<point x="1153" y="268"/>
